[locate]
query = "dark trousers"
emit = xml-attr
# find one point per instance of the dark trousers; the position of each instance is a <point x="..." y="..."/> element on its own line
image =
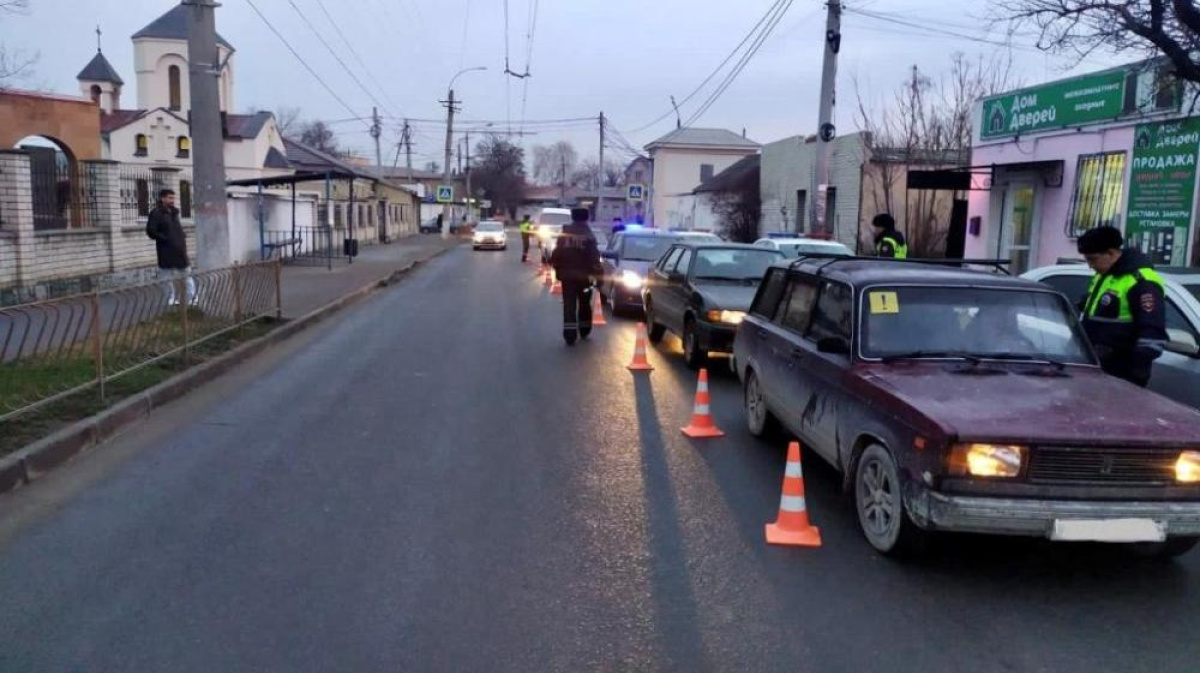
<point x="524" y="245"/>
<point x="577" y="309"/>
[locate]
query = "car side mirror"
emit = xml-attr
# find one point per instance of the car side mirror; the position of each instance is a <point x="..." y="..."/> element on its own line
<point x="833" y="345"/>
<point x="1183" y="343"/>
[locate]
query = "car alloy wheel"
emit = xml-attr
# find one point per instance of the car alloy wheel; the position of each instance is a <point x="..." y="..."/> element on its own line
<point x="692" y="354"/>
<point x="878" y="500"/>
<point x="654" y="331"/>
<point x="757" y="415"/>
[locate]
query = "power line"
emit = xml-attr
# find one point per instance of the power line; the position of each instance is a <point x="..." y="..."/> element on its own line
<point x="721" y="66"/>
<point x="354" y="52"/>
<point x="348" y="69"/>
<point x="528" y="60"/>
<point x="462" y="50"/>
<point x="301" y="59"/>
<point x="741" y="65"/>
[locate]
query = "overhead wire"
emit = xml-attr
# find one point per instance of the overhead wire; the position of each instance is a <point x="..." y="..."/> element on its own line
<point x="333" y="52"/>
<point x="300" y="58"/>
<point x="529" y="35"/>
<point x="354" y="52"/>
<point x="733" y="74"/>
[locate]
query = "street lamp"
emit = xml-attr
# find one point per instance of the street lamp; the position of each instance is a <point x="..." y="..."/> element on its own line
<point x="449" y="140"/>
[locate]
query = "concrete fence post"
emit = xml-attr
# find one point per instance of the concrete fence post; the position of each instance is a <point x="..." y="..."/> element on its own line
<point x="103" y="189"/>
<point x="16" y="213"/>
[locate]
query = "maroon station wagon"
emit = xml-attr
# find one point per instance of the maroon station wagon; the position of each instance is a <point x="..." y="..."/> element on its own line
<point x="960" y="400"/>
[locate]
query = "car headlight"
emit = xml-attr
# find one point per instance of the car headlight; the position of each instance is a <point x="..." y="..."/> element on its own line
<point x="727" y="317"/>
<point x="988" y="460"/>
<point x="632" y="280"/>
<point x="1187" y="468"/>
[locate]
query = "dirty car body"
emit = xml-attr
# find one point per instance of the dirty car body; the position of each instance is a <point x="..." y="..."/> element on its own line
<point x="957" y="400"/>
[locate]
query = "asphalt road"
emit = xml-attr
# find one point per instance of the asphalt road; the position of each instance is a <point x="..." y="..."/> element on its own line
<point x="434" y="482"/>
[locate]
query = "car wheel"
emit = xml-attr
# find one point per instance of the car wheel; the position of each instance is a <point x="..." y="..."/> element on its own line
<point x="694" y="356"/>
<point x="1173" y="547"/>
<point x="880" y="505"/>
<point x="759" y="418"/>
<point x="654" y="331"/>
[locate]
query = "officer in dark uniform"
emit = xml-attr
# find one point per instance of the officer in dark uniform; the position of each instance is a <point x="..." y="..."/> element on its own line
<point x="1124" y="313"/>
<point x="576" y="261"/>
<point x="888" y="242"/>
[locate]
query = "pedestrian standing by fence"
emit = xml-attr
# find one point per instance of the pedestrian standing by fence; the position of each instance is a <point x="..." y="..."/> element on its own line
<point x="170" y="242"/>
<point x="576" y="262"/>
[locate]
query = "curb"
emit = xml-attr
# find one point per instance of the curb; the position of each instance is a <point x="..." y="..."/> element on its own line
<point x="33" y="461"/>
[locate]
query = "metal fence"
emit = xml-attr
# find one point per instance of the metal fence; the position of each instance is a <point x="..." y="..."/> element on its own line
<point x="52" y="349"/>
<point x="139" y="190"/>
<point x="302" y="245"/>
<point x="63" y="192"/>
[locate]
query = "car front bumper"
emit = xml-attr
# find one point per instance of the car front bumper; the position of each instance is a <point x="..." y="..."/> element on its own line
<point x="1038" y="517"/>
<point x="626" y="298"/>
<point x="716" y="337"/>
<point x="490" y="244"/>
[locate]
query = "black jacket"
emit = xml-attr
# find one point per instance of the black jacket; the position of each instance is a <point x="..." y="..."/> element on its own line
<point x="166" y="230"/>
<point x="1128" y="349"/>
<point x="576" y="256"/>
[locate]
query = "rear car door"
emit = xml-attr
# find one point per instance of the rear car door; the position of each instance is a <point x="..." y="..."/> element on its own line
<point x="822" y="379"/>
<point x="657" y="283"/>
<point x="673" y="291"/>
<point x="756" y="343"/>
<point x="792" y="351"/>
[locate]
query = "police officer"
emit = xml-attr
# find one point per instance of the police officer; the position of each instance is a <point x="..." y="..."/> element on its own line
<point x="1123" y="313"/>
<point x="888" y="241"/>
<point x="526" y="229"/>
<point x="576" y="261"/>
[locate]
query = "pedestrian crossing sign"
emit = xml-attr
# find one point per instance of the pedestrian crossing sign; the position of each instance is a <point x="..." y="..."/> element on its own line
<point x="637" y="192"/>
<point x="445" y="193"/>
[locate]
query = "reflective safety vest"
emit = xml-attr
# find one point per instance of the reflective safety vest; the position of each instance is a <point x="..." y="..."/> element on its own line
<point x="1117" y="288"/>
<point x="526" y="227"/>
<point x="900" y="249"/>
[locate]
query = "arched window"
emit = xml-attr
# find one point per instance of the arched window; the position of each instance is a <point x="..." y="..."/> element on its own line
<point x="95" y="92"/>
<point x="141" y="146"/>
<point x="173" y="87"/>
<point x="183" y="147"/>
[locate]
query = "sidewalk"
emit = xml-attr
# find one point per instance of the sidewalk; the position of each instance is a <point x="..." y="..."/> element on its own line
<point x="307" y="288"/>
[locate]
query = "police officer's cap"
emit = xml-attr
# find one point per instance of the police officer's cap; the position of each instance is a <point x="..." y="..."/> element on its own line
<point x="580" y="215"/>
<point x="1100" y="239"/>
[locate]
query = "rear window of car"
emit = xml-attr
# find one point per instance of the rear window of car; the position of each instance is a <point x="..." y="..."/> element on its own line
<point x="490" y="226"/>
<point x="646" y="248"/>
<point x="766" y="302"/>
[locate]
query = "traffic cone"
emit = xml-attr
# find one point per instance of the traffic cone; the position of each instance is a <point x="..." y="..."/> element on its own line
<point x="597" y="308"/>
<point x="640" y="363"/>
<point x="702" y="425"/>
<point x="547" y="279"/>
<point x="556" y="288"/>
<point x="792" y="527"/>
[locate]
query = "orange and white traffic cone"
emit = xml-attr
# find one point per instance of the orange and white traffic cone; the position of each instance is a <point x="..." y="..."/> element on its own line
<point x="556" y="288"/>
<point x="702" y="425"/>
<point x="640" y="363"/>
<point x="548" y="277"/>
<point x="792" y="527"/>
<point x="597" y="308"/>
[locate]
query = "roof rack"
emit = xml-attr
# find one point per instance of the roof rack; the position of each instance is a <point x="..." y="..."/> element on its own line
<point x="1000" y="265"/>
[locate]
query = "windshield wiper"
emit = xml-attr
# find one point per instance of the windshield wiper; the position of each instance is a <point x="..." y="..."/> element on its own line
<point x="1020" y="357"/>
<point x="921" y="355"/>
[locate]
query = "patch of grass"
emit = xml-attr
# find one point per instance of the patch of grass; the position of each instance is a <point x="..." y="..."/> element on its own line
<point x="21" y="383"/>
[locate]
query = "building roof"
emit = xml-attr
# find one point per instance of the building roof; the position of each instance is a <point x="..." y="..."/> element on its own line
<point x="111" y="121"/>
<point x="246" y="126"/>
<point x="747" y="169"/>
<point x="900" y="155"/>
<point x="276" y="159"/>
<point x="172" y="26"/>
<point x="401" y="173"/>
<point x="99" y="70"/>
<point x="698" y="137"/>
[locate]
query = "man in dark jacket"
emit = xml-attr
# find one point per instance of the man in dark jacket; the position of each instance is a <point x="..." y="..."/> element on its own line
<point x="888" y="242"/>
<point x="1124" y="313"/>
<point x="576" y="261"/>
<point x="165" y="228"/>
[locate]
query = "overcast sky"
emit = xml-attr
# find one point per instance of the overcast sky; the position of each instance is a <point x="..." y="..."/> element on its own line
<point x="625" y="57"/>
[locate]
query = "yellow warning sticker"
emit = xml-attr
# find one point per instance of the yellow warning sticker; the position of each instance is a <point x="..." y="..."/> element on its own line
<point x="884" y="303"/>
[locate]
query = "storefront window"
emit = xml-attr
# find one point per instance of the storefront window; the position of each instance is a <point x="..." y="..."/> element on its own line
<point x="1099" y="192"/>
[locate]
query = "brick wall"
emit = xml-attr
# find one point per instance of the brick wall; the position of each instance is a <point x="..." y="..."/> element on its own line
<point x="787" y="168"/>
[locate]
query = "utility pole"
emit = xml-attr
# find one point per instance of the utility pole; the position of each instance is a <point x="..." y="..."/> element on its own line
<point x="208" y="142"/>
<point x="376" y="132"/>
<point x="470" y="215"/>
<point x="450" y="110"/>
<point x="562" y="186"/>
<point x="408" y="148"/>
<point x="826" y="131"/>
<point x="600" y="170"/>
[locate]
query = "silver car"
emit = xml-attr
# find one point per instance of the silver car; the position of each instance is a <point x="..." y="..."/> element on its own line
<point x="1177" y="373"/>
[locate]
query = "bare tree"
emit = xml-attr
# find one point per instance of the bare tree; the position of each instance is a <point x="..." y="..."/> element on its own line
<point x="287" y="119"/>
<point x="554" y="164"/>
<point x="738" y="210"/>
<point x="1169" y="28"/>
<point x="318" y="135"/>
<point x="927" y="124"/>
<point x="14" y="64"/>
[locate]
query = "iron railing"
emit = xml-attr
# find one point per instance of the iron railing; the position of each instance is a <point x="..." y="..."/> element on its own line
<point x="62" y="191"/>
<point x="53" y="349"/>
<point x="302" y="245"/>
<point x="139" y="191"/>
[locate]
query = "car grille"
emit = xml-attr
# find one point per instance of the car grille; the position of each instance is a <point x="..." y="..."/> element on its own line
<point x="1079" y="465"/>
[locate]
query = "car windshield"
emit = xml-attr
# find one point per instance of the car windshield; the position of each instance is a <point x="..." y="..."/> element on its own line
<point x="490" y="227"/>
<point x="795" y="249"/>
<point x="646" y="248"/>
<point x="932" y="322"/>
<point x="733" y="264"/>
<point x="554" y="218"/>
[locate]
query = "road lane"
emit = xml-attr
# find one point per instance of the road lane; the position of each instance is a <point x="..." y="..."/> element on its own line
<point x="437" y="483"/>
